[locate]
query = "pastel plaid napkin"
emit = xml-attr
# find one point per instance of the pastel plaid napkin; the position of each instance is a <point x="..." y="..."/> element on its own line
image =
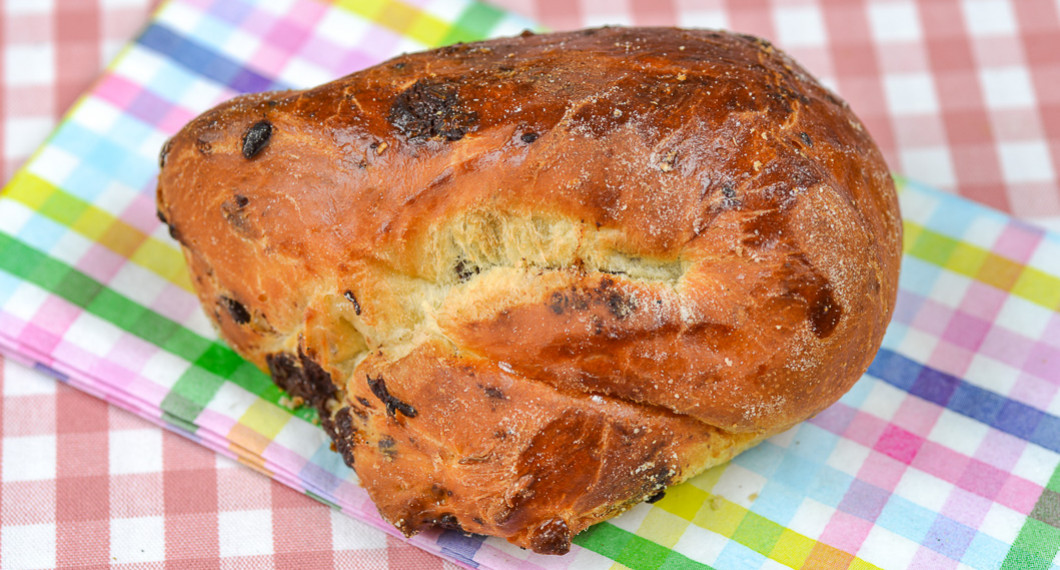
<point x="946" y="453"/>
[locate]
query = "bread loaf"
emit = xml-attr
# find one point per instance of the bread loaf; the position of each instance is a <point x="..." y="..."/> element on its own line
<point x="533" y="281"/>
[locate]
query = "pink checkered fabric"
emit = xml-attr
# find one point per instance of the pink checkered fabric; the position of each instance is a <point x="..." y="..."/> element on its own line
<point x="52" y="50"/>
<point x="88" y="484"/>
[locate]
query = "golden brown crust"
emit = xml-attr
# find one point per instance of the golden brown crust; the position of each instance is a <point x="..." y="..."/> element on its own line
<point x="570" y="240"/>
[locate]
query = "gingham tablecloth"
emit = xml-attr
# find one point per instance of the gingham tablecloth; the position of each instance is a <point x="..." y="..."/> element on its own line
<point x="946" y="453"/>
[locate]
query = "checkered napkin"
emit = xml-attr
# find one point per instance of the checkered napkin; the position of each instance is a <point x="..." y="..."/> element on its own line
<point x="947" y="452"/>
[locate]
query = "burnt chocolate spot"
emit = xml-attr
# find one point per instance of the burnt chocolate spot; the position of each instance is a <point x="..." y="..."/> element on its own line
<point x="620" y="305"/>
<point x="236" y="310"/>
<point x="351" y="298"/>
<point x="448" y="521"/>
<point x="551" y="537"/>
<point x="431" y="109"/>
<point x="256" y="138"/>
<point x="529" y="137"/>
<point x="233" y="212"/>
<point x="557" y="302"/>
<point x="656" y="497"/>
<point x="393" y="405"/>
<point x="387" y="447"/>
<point x="806" y="139"/>
<point x="164" y="153"/>
<point x="464" y="270"/>
<point x="494" y="392"/>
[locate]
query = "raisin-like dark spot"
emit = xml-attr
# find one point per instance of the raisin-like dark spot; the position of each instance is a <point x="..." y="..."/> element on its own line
<point x="399" y="65"/>
<point x="256" y="138"/>
<point x="161" y="217"/>
<point x="345" y="436"/>
<point x="236" y="310"/>
<point x="302" y="377"/>
<point x="431" y="109"/>
<point x="364" y="402"/>
<point x="241" y="201"/>
<point x="164" y="153"/>
<point x="393" y="405"/>
<point x="728" y="190"/>
<point x="551" y="537"/>
<point x="529" y="137"/>
<point x="806" y="139"/>
<point x="656" y="497"/>
<point x="351" y="298"/>
<point x="204" y="147"/>
<point x="494" y="392"/>
<point x="464" y="270"/>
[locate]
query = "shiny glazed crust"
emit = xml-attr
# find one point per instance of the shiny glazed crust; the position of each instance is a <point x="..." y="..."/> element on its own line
<point x="531" y="282"/>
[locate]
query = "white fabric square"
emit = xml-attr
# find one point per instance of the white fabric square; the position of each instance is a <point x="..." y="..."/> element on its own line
<point x="138" y="284"/>
<point x="799" y="26"/>
<point x="1007" y="87"/>
<point x="135" y="451"/>
<point x="990" y="374"/>
<point x="96" y="115"/>
<point x="29" y="458"/>
<point x="28" y="546"/>
<point x="700" y="544"/>
<point x="1025" y="162"/>
<point x="949" y="288"/>
<point x="164" y="369"/>
<point x="22" y="381"/>
<point x="245" y="533"/>
<point x="92" y="334"/>
<point x="958" y="433"/>
<point x="930" y="165"/>
<point x="348" y="533"/>
<point x="910" y="93"/>
<point x="339" y="26"/>
<point x="811" y="517"/>
<point x="918" y="345"/>
<point x="693" y="17"/>
<point x="894" y="22"/>
<point x="887" y="549"/>
<point x="1036" y="463"/>
<point x="922" y="489"/>
<point x="32" y="64"/>
<point x="847" y="457"/>
<point x="14" y="216"/>
<point x="1023" y="317"/>
<point x="14" y="7"/>
<point x="737" y="484"/>
<point x="25" y="301"/>
<point x="1002" y="523"/>
<point x="985" y="18"/>
<point x="23" y="134"/>
<point x="141" y="539"/>
<point x="54" y="164"/>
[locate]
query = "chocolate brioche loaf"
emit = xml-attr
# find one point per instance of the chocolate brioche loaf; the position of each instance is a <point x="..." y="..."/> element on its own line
<point x="532" y="281"/>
